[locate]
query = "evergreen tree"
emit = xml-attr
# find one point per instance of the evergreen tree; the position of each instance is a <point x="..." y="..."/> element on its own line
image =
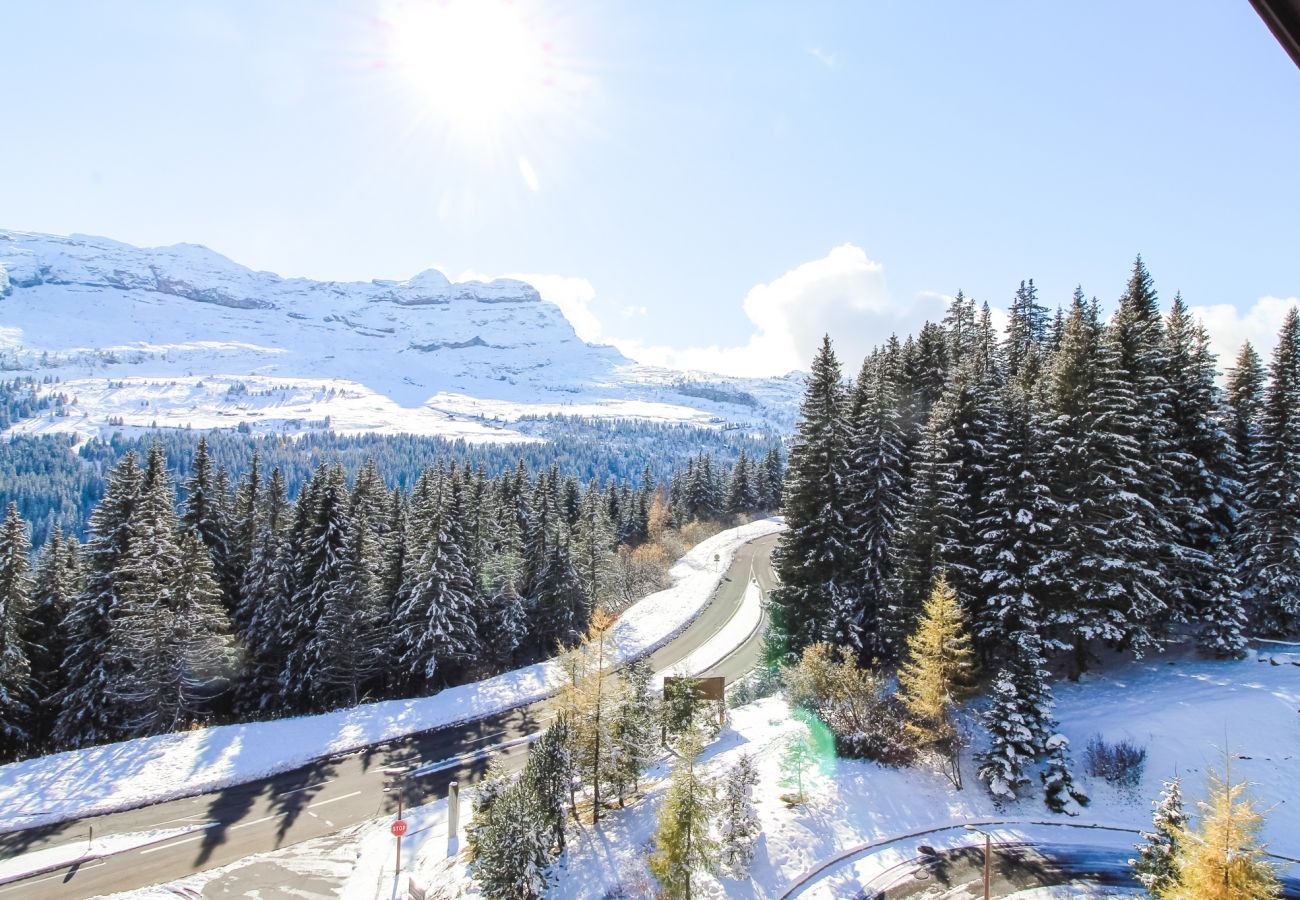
<point x="1272" y="526"/>
<point x="812" y="558"/>
<point x="683" y="842"/>
<point x="249" y="508"/>
<point x="937" y="674"/>
<point x="1245" y="397"/>
<point x="874" y="487"/>
<point x="55" y="589"/>
<point x="204" y="514"/>
<point x="436" y="622"/>
<point x="509" y="856"/>
<point x="87" y="713"/>
<point x="1110" y="585"/>
<point x="593" y="542"/>
<point x="16" y="692"/>
<point x="633" y="732"/>
<point x="739" y="825"/>
<point x="589" y="702"/>
<point x="1018" y="721"/>
<point x="549" y="774"/>
<point x="352" y="636"/>
<point x="1017" y="545"/>
<point x="1060" y="792"/>
<point x="1154" y="865"/>
<point x="319" y="566"/>
<point x="170" y="630"/>
<point x="560" y="613"/>
<point x="1028" y="328"/>
<point x="1224" y="858"/>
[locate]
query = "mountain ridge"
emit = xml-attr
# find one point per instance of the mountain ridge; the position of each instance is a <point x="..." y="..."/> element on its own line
<point x="182" y="336"/>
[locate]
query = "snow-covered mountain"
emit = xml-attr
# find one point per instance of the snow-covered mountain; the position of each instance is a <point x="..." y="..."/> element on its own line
<point x="181" y="336"/>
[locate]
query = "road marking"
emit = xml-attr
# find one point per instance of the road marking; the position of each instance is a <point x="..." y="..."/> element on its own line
<point x="304" y="788"/>
<point x="188" y="840"/>
<point x="334" y="799"/>
<point x="61" y="874"/>
<point x="259" y="821"/>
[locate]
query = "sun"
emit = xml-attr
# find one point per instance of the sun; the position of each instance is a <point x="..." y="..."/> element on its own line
<point x="481" y="66"/>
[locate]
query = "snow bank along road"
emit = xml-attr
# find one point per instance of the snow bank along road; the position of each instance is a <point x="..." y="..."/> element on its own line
<point x="328" y="794"/>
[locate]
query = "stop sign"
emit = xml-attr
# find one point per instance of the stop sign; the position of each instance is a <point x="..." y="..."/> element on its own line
<point x="399" y="828"/>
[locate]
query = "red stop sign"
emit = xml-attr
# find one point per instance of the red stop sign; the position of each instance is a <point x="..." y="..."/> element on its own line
<point x="399" y="828"/>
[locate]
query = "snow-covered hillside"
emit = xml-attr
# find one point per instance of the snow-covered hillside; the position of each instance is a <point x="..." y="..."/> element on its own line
<point x="183" y="336"/>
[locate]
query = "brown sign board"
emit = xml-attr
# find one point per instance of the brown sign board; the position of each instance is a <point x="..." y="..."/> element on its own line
<point x="705" y="688"/>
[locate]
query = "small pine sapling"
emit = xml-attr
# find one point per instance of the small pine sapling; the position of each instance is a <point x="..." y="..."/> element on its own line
<point x="739" y="826"/>
<point x="1154" y="864"/>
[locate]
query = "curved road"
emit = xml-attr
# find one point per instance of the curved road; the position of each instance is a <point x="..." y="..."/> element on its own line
<point x="328" y="795"/>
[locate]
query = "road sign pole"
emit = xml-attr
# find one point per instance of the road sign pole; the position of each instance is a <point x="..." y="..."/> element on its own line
<point x="453" y="817"/>
<point x="399" y="834"/>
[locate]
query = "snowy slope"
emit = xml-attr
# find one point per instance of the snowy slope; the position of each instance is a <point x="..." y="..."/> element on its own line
<point x="183" y="336"/>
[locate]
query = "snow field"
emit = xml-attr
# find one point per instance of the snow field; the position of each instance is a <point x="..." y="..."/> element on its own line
<point x="1177" y="706"/>
<point x="112" y="777"/>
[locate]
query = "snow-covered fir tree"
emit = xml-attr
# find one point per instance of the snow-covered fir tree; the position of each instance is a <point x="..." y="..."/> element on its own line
<point x="738" y="823"/>
<point x="812" y="558"/>
<point x="1154" y="864"/>
<point x="1018" y="721"/>
<point x="1059" y="790"/>
<point x="874" y="491"/>
<point x="55" y="587"/>
<point x="634" y="733"/>
<point x="16" y="694"/>
<point x="352" y="638"/>
<point x="684" y="842"/>
<point x="204" y="513"/>
<point x="87" y="713"/>
<point x="1272" y="524"/>
<point x="1245" y="397"/>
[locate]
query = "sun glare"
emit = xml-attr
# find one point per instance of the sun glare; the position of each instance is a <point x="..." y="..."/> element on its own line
<point x="479" y="65"/>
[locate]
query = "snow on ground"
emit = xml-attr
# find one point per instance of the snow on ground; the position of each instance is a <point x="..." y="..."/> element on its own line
<point x="127" y="774"/>
<point x="86" y="849"/>
<point x="1178" y="706"/>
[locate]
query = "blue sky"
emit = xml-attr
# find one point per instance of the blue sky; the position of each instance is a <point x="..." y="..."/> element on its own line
<point x="707" y="184"/>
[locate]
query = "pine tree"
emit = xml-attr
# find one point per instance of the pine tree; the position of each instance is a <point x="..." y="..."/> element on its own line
<point x="436" y="630"/>
<point x="56" y="586"/>
<point x="561" y="614"/>
<point x="351" y="639"/>
<point x="1272" y="525"/>
<point x="267" y="588"/>
<point x="171" y="630"/>
<point x="739" y="826"/>
<point x="633" y="732"/>
<point x="319" y="565"/>
<point x="204" y="513"/>
<point x="1224" y="857"/>
<point x="550" y="775"/>
<point x="1201" y="461"/>
<point x="1019" y="720"/>
<point x="875" y="485"/>
<point x="509" y="856"/>
<point x="812" y="558"/>
<point x="16" y="692"/>
<point x="1245" y="397"/>
<point x="87" y="713"/>
<point x="245" y="520"/>
<point x="683" y="842"/>
<point x="1018" y="531"/>
<point x="1154" y="865"/>
<point x="937" y="674"/>
<point x="1110" y="585"/>
<point x="1060" y="792"/>
<point x="1028" y="328"/>
<point x="593" y="542"/>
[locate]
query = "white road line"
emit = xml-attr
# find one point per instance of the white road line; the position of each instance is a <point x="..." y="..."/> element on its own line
<point x="304" y="788"/>
<point x="188" y="840"/>
<point x="30" y="881"/>
<point x="334" y="799"/>
<point x="259" y="821"/>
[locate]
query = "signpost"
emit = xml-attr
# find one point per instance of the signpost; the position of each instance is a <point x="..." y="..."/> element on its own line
<point x="398" y="828"/>
<point x="702" y="689"/>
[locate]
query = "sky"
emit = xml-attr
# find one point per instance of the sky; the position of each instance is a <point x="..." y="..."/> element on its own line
<point x="704" y="185"/>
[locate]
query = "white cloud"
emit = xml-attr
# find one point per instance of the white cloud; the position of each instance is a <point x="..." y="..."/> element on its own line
<point x="1229" y="327"/>
<point x="825" y="57"/>
<point x="842" y="294"/>
<point x="631" y="312"/>
<point x="571" y="294"/>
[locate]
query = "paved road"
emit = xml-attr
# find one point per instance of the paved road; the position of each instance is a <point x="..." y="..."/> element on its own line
<point x="323" y="797"/>
<point x="959" y="873"/>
